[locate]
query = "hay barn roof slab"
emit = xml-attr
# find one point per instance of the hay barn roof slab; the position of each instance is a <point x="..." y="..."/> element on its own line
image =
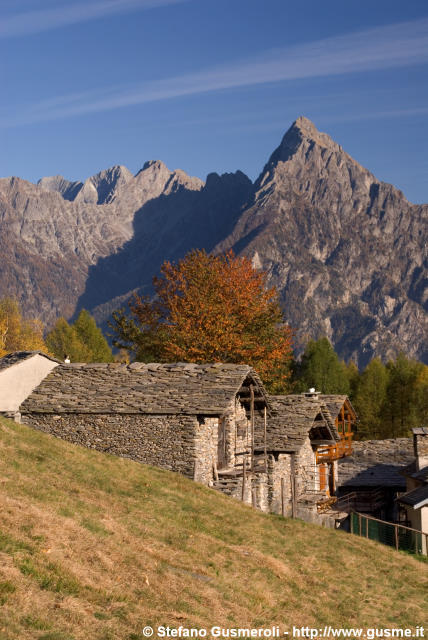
<point x="292" y="418"/>
<point x="178" y="388"/>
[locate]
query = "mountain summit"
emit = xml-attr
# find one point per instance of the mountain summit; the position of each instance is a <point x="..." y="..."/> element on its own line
<point x="345" y="250"/>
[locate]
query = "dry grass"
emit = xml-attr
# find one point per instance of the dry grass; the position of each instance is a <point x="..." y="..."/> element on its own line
<point x="96" y="547"/>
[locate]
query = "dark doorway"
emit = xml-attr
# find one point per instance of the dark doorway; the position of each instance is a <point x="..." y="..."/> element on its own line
<point x="221" y="455"/>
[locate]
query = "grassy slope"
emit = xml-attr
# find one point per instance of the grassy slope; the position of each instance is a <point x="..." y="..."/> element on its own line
<point x="93" y="546"/>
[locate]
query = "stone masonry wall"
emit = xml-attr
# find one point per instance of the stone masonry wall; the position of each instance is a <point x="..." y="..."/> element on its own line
<point x="421" y="449"/>
<point x="161" y="441"/>
<point x="256" y="491"/>
<point x="206" y="440"/>
<point x="238" y="434"/>
<point x="306" y="471"/>
<point x="278" y="469"/>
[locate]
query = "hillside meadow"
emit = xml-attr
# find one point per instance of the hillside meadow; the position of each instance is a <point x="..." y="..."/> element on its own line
<point x="97" y="547"/>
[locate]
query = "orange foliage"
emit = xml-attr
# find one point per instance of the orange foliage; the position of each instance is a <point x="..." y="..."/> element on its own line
<point x="215" y="309"/>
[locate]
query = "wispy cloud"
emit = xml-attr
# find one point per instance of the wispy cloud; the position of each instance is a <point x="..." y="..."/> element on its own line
<point x="24" y="23"/>
<point x="390" y="46"/>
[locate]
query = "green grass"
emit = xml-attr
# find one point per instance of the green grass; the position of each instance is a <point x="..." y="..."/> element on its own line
<point x="97" y="547"/>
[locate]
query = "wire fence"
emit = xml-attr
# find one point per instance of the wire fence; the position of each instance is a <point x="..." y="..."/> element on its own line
<point x="395" y="535"/>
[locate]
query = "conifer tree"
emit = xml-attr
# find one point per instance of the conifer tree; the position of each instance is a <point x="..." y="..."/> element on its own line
<point x="370" y="398"/>
<point x="321" y="368"/>
<point x="92" y="338"/>
<point x="401" y="407"/>
<point x="81" y="342"/>
<point x="63" y="341"/>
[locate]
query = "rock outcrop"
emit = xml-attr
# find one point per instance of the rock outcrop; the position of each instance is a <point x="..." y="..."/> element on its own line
<point x="346" y="251"/>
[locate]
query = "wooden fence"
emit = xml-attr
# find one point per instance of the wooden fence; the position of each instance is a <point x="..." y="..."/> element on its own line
<point x="390" y="533"/>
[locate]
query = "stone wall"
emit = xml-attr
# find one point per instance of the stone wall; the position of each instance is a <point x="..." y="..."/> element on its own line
<point x="162" y="441"/>
<point x="420" y="444"/>
<point x="279" y="469"/>
<point x="238" y="435"/>
<point x="256" y="490"/>
<point x="206" y="441"/>
<point x="306" y="471"/>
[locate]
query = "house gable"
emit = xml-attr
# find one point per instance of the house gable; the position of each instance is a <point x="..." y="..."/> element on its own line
<point x="20" y="373"/>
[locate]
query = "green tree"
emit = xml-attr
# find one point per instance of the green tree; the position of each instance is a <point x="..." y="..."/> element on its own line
<point x="63" y="341"/>
<point x="81" y="342"/>
<point x="210" y="309"/>
<point x="402" y="406"/>
<point x="321" y="368"/>
<point x="91" y="336"/>
<point x="353" y="375"/>
<point x="369" y="399"/>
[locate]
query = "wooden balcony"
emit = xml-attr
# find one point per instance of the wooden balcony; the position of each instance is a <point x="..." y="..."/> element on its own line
<point x="331" y="452"/>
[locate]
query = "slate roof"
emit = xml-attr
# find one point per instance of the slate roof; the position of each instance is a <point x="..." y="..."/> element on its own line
<point x="178" y="388"/>
<point x="416" y="498"/>
<point x="335" y="403"/>
<point x="421" y="475"/>
<point x="292" y="418"/>
<point x="420" y="431"/>
<point x="19" y="356"/>
<point x="376" y="463"/>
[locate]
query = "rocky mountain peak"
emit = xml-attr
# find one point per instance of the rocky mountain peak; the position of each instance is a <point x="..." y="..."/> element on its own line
<point x="67" y="189"/>
<point x="102" y="188"/>
<point x="345" y="250"/>
<point x="302" y="136"/>
<point x="156" y="164"/>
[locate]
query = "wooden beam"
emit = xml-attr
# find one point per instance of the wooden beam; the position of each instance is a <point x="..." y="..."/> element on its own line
<point x="293" y="485"/>
<point x="252" y="424"/>
<point x="265" y="437"/>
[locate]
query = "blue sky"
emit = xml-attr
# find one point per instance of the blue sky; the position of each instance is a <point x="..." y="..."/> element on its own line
<point x="211" y="85"/>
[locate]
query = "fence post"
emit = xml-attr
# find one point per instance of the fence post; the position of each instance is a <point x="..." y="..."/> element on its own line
<point x="396" y="536"/>
<point x="351" y="515"/>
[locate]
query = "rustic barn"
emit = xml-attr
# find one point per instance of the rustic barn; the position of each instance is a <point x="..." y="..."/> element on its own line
<point x="370" y="480"/>
<point x="20" y="373"/>
<point x="302" y="446"/>
<point x="193" y="419"/>
<point x="415" y="499"/>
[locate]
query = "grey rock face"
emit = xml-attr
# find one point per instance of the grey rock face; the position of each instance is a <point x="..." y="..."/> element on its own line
<point x="346" y="252"/>
<point x="67" y="189"/>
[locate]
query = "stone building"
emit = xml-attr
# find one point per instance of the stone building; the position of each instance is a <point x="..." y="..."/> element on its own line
<point x="213" y="423"/>
<point x="302" y="446"/>
<point x="415" y="499"/>
<point x="193" y="419"/>
<point x="370" y="480"/>
<point x="20" y="373"/>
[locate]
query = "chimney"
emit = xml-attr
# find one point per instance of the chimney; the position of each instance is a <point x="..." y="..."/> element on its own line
<point x="420" y="447"/>
<point x="311" y="393"/>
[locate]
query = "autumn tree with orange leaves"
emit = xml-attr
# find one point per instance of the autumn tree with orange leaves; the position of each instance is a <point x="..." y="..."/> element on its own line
<point x="209" y="309"/>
